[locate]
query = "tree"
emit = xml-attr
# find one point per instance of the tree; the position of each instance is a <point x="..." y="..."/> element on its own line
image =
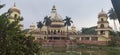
<point x="115" y="39"/>
<point x="116" y="5"/>
<point x="89" y="31"/>
<point x="39" y="25"/>
<point x="47" y="22"/>
<point x="1" y="6"/>
<point x="67" y="23"/>
<point x="112" y="15"/>
<point x="13" y="41"/>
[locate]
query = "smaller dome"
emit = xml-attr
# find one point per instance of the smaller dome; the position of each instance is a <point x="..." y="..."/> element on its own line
<point x="14" y="9"/>
<point x="73" y="26"/>
<point x="102" y="13"/>
<point x="44" y="28"/>
<point x="32" y="25"/>
<point x="56" y="17"/>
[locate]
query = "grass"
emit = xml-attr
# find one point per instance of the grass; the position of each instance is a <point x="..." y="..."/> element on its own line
<point x="107" y="50"/>
<point x="84" y="49"/>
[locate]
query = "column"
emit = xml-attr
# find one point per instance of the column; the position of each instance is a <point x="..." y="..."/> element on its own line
<point x="90" y="38"/>
<point x="79" y="38"/>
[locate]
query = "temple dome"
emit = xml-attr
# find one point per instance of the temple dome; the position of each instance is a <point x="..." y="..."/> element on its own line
<point x="73" y="26"/>
<point x="102" y="13"/>
<point x="32" y="25"/>
<point x="14" y="9"/>
<point x="54" y="16"/>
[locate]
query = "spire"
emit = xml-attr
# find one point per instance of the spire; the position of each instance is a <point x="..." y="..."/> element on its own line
<point x="102" y="10"/>
<point x="53" y="8"/>
<point x="14" y="4"/>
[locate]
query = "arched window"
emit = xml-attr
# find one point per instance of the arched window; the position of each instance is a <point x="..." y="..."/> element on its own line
<point x="102" y="26"/>
<point x="58" y="31"/>
<point x="45" y="32"/>
<point x="54" y="31"/>
<point x="102" y="32"/>
<point x="102" y="19"/>
<point x="48" y="31"/>
<point x="15" y="16"/>
<point x="51" y="32"/>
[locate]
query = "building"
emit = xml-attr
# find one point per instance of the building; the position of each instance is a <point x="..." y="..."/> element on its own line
<point x="103" y="27"/>
<point x="14" y="14"/>
<point x="56" y="33"/>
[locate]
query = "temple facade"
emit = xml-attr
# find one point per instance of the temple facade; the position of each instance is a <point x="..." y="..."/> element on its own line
<point x="56" y="33"/>
<point x="55" y="30"/>
<point x="14" y="14"/>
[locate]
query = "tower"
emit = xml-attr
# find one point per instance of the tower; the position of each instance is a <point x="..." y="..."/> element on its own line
<point x="103" y="26"/>
<point x="14" y="14"/>
<point x="73" y="28"/>
<point x="32" y="26"/>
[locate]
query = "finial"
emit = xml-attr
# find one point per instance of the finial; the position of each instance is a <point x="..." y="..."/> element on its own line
<point x="102" y="10"/>
<point x="32" y="23"/>
<point x="53" y="8"/>
<point x="14" y="4"/>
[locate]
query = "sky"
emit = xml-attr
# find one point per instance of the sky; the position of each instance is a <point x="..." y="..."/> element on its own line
<point x="83" y="12"/>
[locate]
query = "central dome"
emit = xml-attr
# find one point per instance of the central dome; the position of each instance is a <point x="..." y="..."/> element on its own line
<point x="102" y="13"/>
<point x="14" y="8"/>
<point x="54" y="16"/>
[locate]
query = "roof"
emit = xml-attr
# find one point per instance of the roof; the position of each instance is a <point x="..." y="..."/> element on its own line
<point x="14" y="9"/>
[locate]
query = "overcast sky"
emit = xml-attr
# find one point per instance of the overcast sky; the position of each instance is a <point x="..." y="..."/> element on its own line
<point x="83" y="12"/>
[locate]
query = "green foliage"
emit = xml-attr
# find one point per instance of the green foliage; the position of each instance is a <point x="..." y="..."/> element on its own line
<point x="115" y="39"/>
<point x="47" y="21"/>
<point x="112" y="15"/>
<point x="79" y="32"/>
<point x="68" y="21"/>
<point x="89" y="31"/>
<point x="13" y="41"/>
<point x="39" y="24"/>
<point x="1" y="6"/>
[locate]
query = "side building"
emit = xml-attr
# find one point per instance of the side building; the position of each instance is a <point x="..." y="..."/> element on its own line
<point x="103" y="27"/>
<point x="14" y="14"/>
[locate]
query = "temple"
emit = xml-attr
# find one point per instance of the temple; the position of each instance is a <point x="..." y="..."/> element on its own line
<point x="56" y="31"/>
<point x="56" y="34"/>
<point x="14" y="14"/>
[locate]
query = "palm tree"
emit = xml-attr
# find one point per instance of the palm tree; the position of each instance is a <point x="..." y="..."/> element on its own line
<point x="1" y="6"/>
<point x="47" y="22"/>
<point x="40" y="25"/>
<point x="67" y="23"/>
<point x="112" y="15"/>
<point x="116" y="5"/>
